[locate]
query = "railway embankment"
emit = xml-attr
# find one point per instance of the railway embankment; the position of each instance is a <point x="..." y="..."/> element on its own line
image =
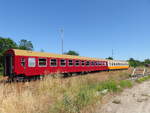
<point x="61" y="95"/>
<point x="78" y="94"/>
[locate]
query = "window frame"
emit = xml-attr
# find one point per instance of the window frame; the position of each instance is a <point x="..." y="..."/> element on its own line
<point x="69" y="63"/>
<point x="106" y="64"/>
<point x="76" y="63"/>
<point x="39" y="62"/>
<point x="82" y="62"/>
<point x="23" y="61"/>
<point x="100" y="63"/>
<point x="61" y="63"/>
<point x="34" y="62"/>
<point x="88" y="63"/>
<point x="92" y="63"/>
<point x="53" y="65"/>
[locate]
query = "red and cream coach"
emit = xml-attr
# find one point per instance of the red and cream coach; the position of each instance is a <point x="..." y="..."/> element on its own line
<point x="23" y="63"/>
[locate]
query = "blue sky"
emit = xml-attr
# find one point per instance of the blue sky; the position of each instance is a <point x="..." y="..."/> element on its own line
<point x="91" y="27"/>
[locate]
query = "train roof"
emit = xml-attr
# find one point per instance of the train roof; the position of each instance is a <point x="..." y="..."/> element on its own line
<point x="44" y="54"/>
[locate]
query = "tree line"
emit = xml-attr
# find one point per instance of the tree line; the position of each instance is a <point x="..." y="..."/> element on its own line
<point x="137" y="63"/>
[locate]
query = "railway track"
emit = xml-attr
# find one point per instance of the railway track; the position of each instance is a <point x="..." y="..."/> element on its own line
<point x="103" y="75"/>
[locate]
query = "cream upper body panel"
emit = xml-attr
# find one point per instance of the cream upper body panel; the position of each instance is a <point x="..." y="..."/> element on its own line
<point x="117" y="63"/>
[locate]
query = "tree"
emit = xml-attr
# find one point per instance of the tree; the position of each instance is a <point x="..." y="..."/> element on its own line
<point x="135" y="63"/>
<point x="146" y="62"/>
<point x="25" y="45"/>
<point x="71" y="52"/>
<point x="5" y="43"/>
<point x="110" y="58"/>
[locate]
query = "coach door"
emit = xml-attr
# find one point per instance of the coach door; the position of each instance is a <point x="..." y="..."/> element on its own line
<point x="8" y="64"/>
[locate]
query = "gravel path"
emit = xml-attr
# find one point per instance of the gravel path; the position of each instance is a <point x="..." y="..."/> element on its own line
<point x="134" y="100"/>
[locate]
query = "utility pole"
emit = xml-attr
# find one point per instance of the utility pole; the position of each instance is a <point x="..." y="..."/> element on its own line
<point x="62" y="42"/>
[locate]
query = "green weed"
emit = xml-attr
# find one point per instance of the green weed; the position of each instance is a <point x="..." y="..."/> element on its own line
<point x="111" y="85"/>
<point x="142" y="79"/>
<point x="125" y="84"/>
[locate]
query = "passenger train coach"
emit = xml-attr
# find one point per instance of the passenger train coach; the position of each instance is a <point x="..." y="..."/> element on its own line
<point x="23" y="63"/>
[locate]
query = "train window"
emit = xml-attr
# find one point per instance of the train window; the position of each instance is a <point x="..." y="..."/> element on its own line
<point x="42" y="62"/>
<point x="96" y="63"/>
<point x="77" y="62"/>
<point x="53" y="62"/>
<point x="31" y="62"/>
<point x="99" y="63"/>
<point x="62" y="62"/>
<point x="105" y="64"/>
<point x="70" y="62"/>
<point x="82" y="63"/>
<point x="92" y="63"/>
<point x="23" y="62"/>
<point x="87" y="63"/>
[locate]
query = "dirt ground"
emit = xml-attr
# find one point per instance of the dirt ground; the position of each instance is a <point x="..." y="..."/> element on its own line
<point x="134" y="100"/>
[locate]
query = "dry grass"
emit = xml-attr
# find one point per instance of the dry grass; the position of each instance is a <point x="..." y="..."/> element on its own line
<point x="55" y="95"/>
